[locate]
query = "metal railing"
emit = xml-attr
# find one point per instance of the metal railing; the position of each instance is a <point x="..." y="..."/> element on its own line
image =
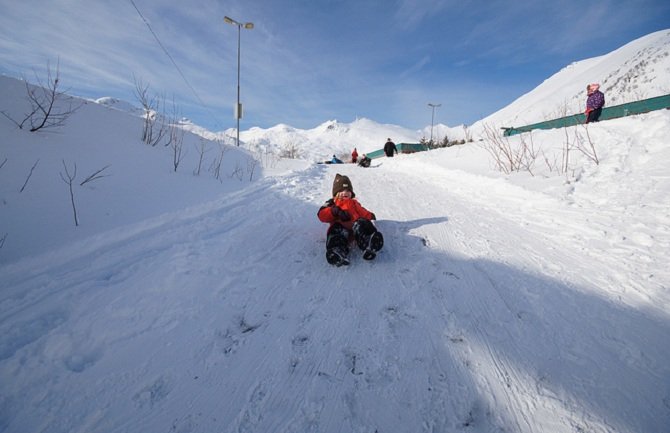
<point x="402" y="148"/>
<point x="613" y="112"/>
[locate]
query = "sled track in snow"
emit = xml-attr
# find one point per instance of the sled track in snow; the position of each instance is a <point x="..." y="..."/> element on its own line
<point x="228" y="318"/>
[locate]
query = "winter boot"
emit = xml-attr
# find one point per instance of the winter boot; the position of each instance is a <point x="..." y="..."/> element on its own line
<point x="337" y="257"/>
<point x="337" y="248"/>
<point x="375" y="244"/>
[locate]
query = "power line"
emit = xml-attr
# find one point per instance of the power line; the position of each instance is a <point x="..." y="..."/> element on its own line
<point x="172" y="60"/>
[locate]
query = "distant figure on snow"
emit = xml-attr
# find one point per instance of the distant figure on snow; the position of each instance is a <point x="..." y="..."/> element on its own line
<point x="364" y="161"/>
<point x="594" y="103"/>
<point x="349" y="221"/>
<point x="354" y="156"/>
<point x="389" y="148"/>
<point x="335" y="160"/>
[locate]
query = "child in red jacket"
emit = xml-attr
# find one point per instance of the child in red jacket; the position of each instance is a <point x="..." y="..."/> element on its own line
<point x="349" y="221"/>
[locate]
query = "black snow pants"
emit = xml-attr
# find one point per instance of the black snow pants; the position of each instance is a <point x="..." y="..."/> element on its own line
<point x="338" y="236"/>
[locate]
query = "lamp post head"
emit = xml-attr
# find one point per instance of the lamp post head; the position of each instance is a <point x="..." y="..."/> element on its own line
<point x="229" y="20"/>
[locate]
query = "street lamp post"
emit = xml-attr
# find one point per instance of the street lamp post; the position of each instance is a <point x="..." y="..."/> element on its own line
<point x="238" y="106"/>
<point x="432" y="120"/>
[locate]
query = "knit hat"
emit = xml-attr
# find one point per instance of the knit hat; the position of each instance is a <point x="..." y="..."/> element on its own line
<point x="341" y="183"/>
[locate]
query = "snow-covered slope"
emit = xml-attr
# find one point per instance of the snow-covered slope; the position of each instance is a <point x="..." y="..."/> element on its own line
<point x="190" y="303"/>
<point x="638" y="70"/>
<point x="491" y="308"/>
<point x="136" y="181"/>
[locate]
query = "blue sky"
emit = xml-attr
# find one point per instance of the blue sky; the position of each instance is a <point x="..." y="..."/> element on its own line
<point x="309" y="61"/>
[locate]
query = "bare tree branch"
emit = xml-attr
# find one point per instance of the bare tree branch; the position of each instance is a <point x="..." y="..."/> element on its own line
<point x="509" y="156"/>
<point x="153" y="115"/>
<point x="29" y="176"/>
<point x="68" y="181"/>
<point x="95" y="175"/>
<point x="216" y="165"/>
<point x="48" y="110"/>
<point x="252" y="163"/>
<point x="201" y="148"/>
<point x="590" y="150"/>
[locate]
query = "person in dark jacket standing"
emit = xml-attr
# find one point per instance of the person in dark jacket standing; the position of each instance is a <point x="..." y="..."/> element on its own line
<point x="594" y="103"/>
<point x="389" y="148"/>
<point x="349" y="221"/>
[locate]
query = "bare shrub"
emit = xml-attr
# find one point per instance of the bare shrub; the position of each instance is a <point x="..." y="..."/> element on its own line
<point x="252" y="163"/>
<point x="177" y="145"/>
<point x="95" y="175"/>
<point x="568" y="145"/>
<point x="154" y="128"/>
<point x="202" y="149"/>
<point x="508" y="155"/>
<point x="30" y="174"/>
<point x="68" y="178"/>
<point x="552" y="164"/>
<point x="173" y="134"/>
<point x="237" y="172"/>
<point x="49" y="106"/>
<point x="586" y="146"/>
<point x="290" y="150"/>
<point x="216" y="165"/>
<point x="268" y="157"/>
<point x="467" y="134"/>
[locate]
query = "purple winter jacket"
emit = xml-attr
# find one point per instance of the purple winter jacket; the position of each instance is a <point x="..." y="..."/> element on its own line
<point x="595" y="100"/>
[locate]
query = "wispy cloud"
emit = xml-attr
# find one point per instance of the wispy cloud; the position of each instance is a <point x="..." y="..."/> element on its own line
<point x="305" y="61"/>
<point x="411" y="13"/>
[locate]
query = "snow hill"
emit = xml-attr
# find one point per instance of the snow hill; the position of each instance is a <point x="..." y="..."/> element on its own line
<point x="190" y="302"/>
<point x="638" y="70"/>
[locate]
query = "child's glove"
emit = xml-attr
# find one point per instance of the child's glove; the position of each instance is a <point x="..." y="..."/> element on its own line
<point x="340" y="214"/>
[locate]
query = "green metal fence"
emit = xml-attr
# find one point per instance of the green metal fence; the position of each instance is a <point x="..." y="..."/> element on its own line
<point x="376" y="154"/>
<point x="613" y="112"/>
<point x="402" y="148"/>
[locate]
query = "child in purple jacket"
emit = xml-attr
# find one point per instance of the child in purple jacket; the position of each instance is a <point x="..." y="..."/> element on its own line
<point x="594" y="103"/>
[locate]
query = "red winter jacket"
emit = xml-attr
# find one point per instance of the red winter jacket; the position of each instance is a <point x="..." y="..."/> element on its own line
<point x="351" y="205"/>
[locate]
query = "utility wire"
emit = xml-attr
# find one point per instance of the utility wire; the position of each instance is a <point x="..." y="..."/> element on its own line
<point x="172" y="60"/>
